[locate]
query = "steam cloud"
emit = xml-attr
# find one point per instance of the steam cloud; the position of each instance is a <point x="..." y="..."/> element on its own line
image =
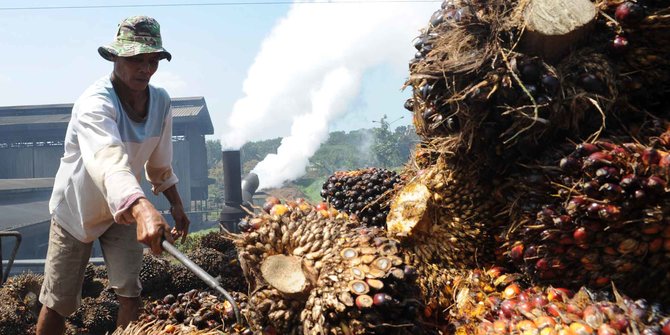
<point x="309" y="70"/>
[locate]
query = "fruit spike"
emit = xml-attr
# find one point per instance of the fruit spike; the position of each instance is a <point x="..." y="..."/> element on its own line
<point x="607" y="228"/>
<point x="363" y="193"/>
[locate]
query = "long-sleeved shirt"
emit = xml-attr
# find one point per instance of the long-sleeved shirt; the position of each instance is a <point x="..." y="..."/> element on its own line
<point x="105" y="152"/>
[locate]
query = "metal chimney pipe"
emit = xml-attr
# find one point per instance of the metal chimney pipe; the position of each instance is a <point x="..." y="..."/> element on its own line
<point x="249" y="186"/>
<point x="232" y="178"/>
<point x="232" y="212"/>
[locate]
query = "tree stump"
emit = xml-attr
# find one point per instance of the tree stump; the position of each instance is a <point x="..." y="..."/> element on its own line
<point x="553" y="27"/>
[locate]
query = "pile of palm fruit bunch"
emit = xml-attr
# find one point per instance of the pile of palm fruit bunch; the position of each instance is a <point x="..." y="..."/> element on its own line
<point x="20" y="305"/>
<point x="163" y="280"/>
<point x="494" y="302"/>
<point x="197" y="308"/>
<point x="363" y="194"/>
<point x="314" y="270"/>
<point x="502" y="94"/>
<point x="604" y="220"/>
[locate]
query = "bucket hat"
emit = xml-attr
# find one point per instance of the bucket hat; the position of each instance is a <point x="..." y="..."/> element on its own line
<point x="136" y="35"/>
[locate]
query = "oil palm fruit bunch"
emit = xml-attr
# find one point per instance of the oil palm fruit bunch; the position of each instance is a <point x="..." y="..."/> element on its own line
<point x="93" y="284"/>
<point x="228" y="267"/>
<point x="361" y="193"/>
<point x="96" y="315"/>
<point x="492" y="95"/>
<point x="608" y="221"/>
<point x="20" y="305"/>
<point x="312" y="270"/>
<point x="183" y="280"/>
<point x="217" y="241"/>
<point x="153" y="275"/>
<point x="198" y="308"/>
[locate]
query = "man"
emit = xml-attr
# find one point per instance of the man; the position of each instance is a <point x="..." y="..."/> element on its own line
<point x="119" y="126"/>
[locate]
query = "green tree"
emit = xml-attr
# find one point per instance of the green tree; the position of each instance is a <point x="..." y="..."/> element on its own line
<point x="213" y="153"/>
<point x="384" y="147"/>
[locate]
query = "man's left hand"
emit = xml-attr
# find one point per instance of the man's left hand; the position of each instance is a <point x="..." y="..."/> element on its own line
<point x="181" y="223"/>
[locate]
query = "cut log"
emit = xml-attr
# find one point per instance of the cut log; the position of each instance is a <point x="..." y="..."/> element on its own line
<point x="286" y="274"/>
<point x="553" y="27"/>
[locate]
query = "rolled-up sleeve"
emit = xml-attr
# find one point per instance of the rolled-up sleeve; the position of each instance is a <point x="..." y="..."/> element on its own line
<point x="159" y="166"/>
<point x="104" y="155"/>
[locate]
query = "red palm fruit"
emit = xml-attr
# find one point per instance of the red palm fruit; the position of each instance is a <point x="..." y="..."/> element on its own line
<point x="629" y="13"/>
<point x="321" y="206"/>
<point x="267" y="206"/>
<point x="516" y="253"/>
<point x="619" y="322"/>
<point x="574" y="309"/>
<point x="665" y="160"/>
<point x="650" y="156"/>
<point x="620" y="43"/>
<point x="542" y="264"/>
<point x="586" y="149"/>
<point x="630" y="182"/>
<point x="602" y="281"/>
<point x="500" y="327"/>
<point x="524" y="307"/>
<point x="526" y="327"/>
<point x="581" y="329"/>
<point x="539" y="301"/>
<point x="507" y="307"/>
<point x="554" y="309"/>
<point x="610" y="213"/>
<point x="655" y="245"/>
<point x="569" y="164"/>
<point x="611" y="192"/>
<point x="655" y="184"/>
<point x="544" y="322"/>
<point x="511" y="291"/>
<point x="666" y="326"/>
<point x="580" y="235"/>
<point x="606" y="329"/>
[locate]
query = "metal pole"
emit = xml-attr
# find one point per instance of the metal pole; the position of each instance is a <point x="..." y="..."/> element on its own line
<point x="202" y="274"/>
<point x="18" y="237"/>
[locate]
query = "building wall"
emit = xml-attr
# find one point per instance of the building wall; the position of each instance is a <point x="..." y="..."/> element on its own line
<point x="181" y="164"/>
<point x="30" y="162"/>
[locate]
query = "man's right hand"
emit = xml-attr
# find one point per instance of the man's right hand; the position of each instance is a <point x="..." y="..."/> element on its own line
<point x="151" y="226"/>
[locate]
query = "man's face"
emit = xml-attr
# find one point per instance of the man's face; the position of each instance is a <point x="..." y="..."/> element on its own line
<point x="136" y="71"/>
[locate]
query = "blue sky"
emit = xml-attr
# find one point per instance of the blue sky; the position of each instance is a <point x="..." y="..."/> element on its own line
<point x="290" y="69"/>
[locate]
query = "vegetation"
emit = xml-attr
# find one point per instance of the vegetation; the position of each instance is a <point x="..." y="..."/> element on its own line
<point x="357" y="149"/>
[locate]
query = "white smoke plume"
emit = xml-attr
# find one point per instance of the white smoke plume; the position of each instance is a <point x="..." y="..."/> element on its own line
<point x="309" y="70"/>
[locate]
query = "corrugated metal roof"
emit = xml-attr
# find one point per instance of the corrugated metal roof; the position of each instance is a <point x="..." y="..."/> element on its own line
<point x="34" y="119"/>
<point x="185" y="109"/>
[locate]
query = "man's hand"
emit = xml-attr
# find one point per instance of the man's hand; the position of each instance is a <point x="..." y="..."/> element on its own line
<point x="151" y="226"/>
<point x="181" y="222"/>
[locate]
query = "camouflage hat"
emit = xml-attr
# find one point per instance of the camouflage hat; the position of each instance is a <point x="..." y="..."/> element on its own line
<point x="136" y="35"/>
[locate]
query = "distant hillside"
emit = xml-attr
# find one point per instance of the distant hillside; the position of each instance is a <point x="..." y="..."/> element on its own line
<point x="352" y="150"/>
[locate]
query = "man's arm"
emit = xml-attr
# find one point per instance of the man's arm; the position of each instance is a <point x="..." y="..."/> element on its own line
<point x="181" y="221"/>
